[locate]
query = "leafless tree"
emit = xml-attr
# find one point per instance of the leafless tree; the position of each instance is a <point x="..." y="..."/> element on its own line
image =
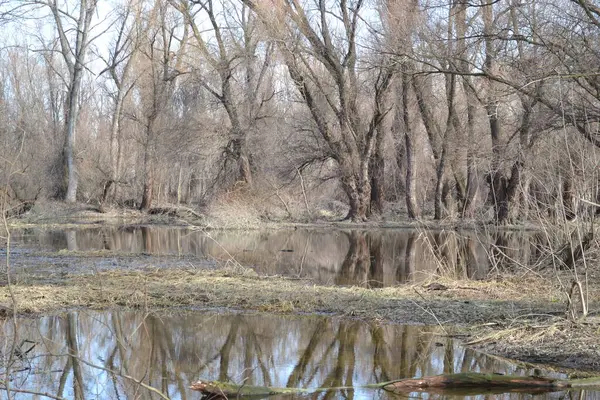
<point x="328" y="74"/>
<point x="160" y="61"/>
<point x="74" y="49"/>
<point x="230" y="50"/>
<point x="119" y="62"/>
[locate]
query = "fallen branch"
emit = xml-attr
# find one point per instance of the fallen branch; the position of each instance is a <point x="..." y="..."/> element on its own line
<point x="470" y="382"/>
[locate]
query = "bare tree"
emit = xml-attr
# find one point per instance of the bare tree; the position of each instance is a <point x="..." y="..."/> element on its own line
<point x="118" y="66"/>
<point x="74" y="50"/>
<point x="328" y="75"/>
<point x="231" y="49"/>
<point x="161" y="59"/>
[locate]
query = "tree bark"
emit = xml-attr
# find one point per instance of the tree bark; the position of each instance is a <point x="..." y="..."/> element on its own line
<point x="148" y="190"/>
<point x="377" y="181"/>
<point x="149" y="161"/>
<point x="68" y="150"/>
<point x="412" y="205"/>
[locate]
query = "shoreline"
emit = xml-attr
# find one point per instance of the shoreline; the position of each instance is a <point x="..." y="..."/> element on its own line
<point x="503" y="321"/>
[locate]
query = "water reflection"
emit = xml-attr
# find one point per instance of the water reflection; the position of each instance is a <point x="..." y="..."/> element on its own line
<point x="74" y="354"/>
<point x="367" y="258"/>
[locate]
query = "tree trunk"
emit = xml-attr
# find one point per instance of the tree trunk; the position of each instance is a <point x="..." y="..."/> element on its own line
<point x="245" y="170"/>
<point x="74" y="57"/>
<point x="179" y="184"/>
<point x="468" y="205"/>
<point x="568" y="198"/>
<point x="377" y="183"/>
<point x="72" y="179"/>
<point x="115" y="146"/>
<point x="148" y="189"/>
<point x="497" y="181"/>
<point x="438" y="205"/>
<point x="359" y="197"/>
<point x="69" y="148"/>
<point x="412" y="205"/>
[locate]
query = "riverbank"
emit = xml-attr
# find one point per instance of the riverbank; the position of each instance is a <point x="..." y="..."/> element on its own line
<point x="59" y="214"/>
<point x="512" y="317"/>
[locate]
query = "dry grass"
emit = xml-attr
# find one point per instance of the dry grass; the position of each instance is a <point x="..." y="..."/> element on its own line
<point x="467" y="302"/>
<point x="158" y="288"/>
<point x="516" y="317"/>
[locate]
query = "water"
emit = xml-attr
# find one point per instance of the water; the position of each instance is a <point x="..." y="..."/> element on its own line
<point x="375" y="258"/>
<point x="171" y="351"/>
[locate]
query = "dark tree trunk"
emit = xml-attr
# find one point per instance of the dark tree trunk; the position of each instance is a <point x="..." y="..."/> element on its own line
<point x="503" y="191"/>
<point x="359" y="197"/>
<point x="568" y="199"/>
<point x="377" y="180"/>
<point x="148" y="190"/>
<point x="468" y="202"/>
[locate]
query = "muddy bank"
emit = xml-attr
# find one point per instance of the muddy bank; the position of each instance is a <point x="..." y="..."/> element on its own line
<point x="59" y="214"/>
<point x="515" y="317"/>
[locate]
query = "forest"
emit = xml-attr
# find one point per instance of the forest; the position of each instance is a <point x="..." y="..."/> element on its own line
<point x="297" y="109"/>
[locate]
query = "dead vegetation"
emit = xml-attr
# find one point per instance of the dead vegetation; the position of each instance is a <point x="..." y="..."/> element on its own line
<point x="522" y="317"/>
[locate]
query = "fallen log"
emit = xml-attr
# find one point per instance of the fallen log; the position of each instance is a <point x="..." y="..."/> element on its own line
<point x="475" y="380"/>
<point x="463" y="383"/>
<point x="224" y="390"/>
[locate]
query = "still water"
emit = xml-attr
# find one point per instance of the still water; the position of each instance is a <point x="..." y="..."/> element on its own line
<point x="373" y="258"/>
<point x="89" y="355"/>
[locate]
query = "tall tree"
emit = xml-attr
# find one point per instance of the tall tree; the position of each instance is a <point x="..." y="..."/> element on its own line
<point x="320" y="49"/>
<point x="231" y="47"/>
<point x="74" y="37"/>
<point x="161" y="59"/>
<point x="119" y="64"/>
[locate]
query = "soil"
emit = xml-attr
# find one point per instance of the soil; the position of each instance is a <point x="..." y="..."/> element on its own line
<point x="520" y="317"/>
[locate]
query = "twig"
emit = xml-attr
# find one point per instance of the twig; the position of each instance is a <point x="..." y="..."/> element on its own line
<point x="142" y="384"/>
<point x="571" y="305"/>
<point x="304" y="193"/>
<point x="428" y="310"/>
<point x="45" y="394"/>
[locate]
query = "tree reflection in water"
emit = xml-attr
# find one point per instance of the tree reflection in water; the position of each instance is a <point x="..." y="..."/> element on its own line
<point x="371" y="258"/>
<point x="169" y="352"/>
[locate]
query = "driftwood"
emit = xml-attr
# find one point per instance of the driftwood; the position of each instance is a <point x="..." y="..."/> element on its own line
<point x="463" y="383"/>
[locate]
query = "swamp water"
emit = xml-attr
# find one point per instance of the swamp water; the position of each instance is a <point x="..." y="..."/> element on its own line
<point x="171" y="351"/>
<point x="368" y="258"/>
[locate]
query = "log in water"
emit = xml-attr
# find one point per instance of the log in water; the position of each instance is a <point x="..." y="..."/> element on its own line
<point x="471" y="381"/>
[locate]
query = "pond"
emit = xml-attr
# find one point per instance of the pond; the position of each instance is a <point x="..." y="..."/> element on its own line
<point x="368" y="258"/>
<point x="103" y="355"/>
